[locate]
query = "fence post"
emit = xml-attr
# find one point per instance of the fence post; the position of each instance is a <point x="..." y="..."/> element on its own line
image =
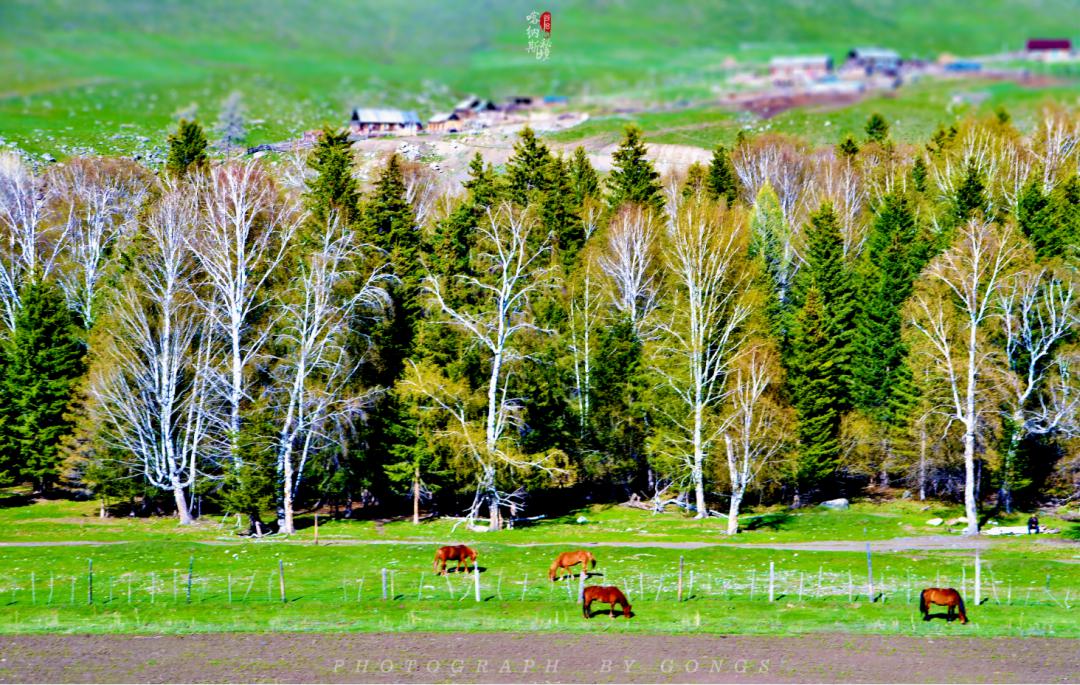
<point x="384" y="584"/>
<point x="690" y="590"/>
<point x="581" y="585"/>
<point x="191" y="568"/>
<point x="90" y="582"/>
<point x="281" y="577"/>
<point x="33" y="589"/>
<point x="153" y="586"/>
<point x="978" y="577"/>
<point x="679" y="594"/>
<point x="850" y="587"/>
<point x="420" y="588"/>
<point x="476" y="579"/>
<point x="229" y="585"/>
<point x="316" y="530"/>
<point x="772" y="574"/>
<point x="869" y="575"/>
<point x="524" y="586"/>
<point x="753" y="582"/>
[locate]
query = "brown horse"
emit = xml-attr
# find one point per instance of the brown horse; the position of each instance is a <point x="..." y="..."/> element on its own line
<point x="946" y="597"/>
<point x="458" y="553"/>
<point x="605" y="594"/>
<point x="568" y="559"/>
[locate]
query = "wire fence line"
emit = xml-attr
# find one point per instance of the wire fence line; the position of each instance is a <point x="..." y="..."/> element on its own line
<point x="276" y="584"/>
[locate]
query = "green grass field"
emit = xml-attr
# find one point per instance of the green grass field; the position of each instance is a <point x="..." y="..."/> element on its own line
<point x="111" y="77"/>
<point x="140" y="585"/>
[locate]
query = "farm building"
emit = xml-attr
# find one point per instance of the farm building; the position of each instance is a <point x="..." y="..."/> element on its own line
<point x="1049" y="49"/>
<point x="789" y="71"/>
<point x="475" y="107"/>
<point x="873" y="61"/>
<point x="377" y="122"/>
<point x="445" y="122"/>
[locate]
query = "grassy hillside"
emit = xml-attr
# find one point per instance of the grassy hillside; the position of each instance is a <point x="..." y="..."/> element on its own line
<point x="101" y="73"/>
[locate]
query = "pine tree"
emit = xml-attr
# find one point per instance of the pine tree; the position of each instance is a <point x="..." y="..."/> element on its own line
<point x="970" y="194"/>
<point x="333" y="189"/>
<point x="771" y="244"/>
<point x="187" y="148"/>
<point x="583" y="177"/>
<point x="526" y="170"/>
<point x="618" y="412"/>
<point x="559" y="215"/>
<point x="1051" y="222"/>
<point x="827" y="270"/>
<point x="453" y="236"/>
<point x="633" y="178"/>
<point x="848" y="147"/>
<point x="43" y="360"/>
<point x="919" y="174"/>
<point x="877" y="129"/>
<point x="816" y="395"/>
<point x="891" y="261"/>
<point x="722" y="181"/>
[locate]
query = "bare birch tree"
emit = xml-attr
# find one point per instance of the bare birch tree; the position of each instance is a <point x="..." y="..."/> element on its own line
<point x="151" y="383"/>
<point x="511" y="268"/>
<point x="756" y="430"/>
<point x="629" y="261"/>
<point x="1037" y="312"/>
<point x="313" y="371"/>
<point x="29" y="242"/>
<point x="953" y="312"/>
<point x="244" y="233"/>
<point x="705" y="259"/>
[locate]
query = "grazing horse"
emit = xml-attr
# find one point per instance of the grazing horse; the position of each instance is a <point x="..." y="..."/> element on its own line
<point x="568" y="559"/>
<point x="458" y="553"/>
<point x="946" y="597"/>
<point x="605" y="594"/>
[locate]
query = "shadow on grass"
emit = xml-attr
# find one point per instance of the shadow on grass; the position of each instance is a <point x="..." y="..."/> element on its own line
<point x="588" y="575"/>
<point x="771" y="521"/>
<point x="607" y="612"/>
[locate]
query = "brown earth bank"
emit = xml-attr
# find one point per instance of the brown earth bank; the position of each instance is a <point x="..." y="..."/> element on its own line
<point x="532" y="658"/>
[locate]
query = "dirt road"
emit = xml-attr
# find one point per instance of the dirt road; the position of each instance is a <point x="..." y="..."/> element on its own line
<point x="529" y="658"/>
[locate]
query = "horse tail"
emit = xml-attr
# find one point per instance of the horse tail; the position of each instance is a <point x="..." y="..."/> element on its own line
<point x="435" y="566"/>
<point x="960" y="603"/>
<point x="922" y="602"/>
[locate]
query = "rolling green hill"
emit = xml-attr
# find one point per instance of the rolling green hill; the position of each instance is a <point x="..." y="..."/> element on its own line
<point x="103" y="72"/>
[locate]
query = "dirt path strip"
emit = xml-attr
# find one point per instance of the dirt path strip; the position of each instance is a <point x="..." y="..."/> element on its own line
<point x="532" y="658"/>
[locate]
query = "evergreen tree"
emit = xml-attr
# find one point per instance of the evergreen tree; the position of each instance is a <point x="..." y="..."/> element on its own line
<point x="848" y="147"/>
<point x="919" y="174"/>
<point x="722" y="181"/>
<point x="817" y="399"/>
<point x="527" y="168"/>
<point x="187" y="148"/>
<point x="618" y="412"/>
<point x="877" y="129"/>
<point x="827" y="270"/>
<point x="583" y="177"/>
<point x="891" y="261"/>
<point x="453" y="236"/>
<point x="970" y="194"/>
<point x="43" y="360"/>
<point x="633" y="178"/>
<point x="333" y="188"/>
<point x="1051" y="222"/>
<point x="559" y="215"/>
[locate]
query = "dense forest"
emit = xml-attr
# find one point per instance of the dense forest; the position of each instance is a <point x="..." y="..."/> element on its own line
<point x="783" y="325"/>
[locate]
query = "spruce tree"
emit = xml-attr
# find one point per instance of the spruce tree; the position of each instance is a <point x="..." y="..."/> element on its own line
<point x="187" y="148"/>
<point x="558" y="214"/>
<point x="527" y="168"/>
<point x="877" y="129"/>
<point x="333" y="189"/>
<point x="633" y="178"/>
<point x="618" y="413"/>
<point x="827" y="270"/>
<point x="848" y="148"/>
<point x="970" y="194"/>
<point x="453" y="236"/>
<point x="43" y="360"/>
<point x="891" y="261"/>
<point x="722" y="180"/>
<point x="583" y="177"/>
<point x="770" y="244"/>
<point x="1051" y="222"/>
<point x="816" y="394"/>
<point x="919" y="174"/>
